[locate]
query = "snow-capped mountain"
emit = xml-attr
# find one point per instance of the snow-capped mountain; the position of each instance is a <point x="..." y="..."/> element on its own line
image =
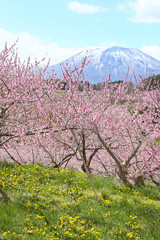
<point x="115" y="60"/>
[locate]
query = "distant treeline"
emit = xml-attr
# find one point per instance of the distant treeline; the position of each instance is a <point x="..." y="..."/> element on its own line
<point x="152" y="82"/>
<point x="149" y="82"/>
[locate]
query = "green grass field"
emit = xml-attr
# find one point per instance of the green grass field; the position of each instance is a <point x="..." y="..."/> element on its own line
<point x="38" y="202"/>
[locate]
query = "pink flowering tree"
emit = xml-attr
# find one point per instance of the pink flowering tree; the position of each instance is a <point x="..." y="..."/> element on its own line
<point x="104" y="126"/>
<point x="109" y="130"/>
<point x="18" y="85"/>
<point x="149" y="111"/>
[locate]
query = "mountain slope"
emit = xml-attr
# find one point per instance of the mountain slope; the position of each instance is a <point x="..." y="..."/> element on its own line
<point x="115" y="60"/>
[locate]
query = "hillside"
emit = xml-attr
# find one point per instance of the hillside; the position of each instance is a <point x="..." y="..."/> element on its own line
<point x="38" y="202"/>
<point x="115" y="60"/>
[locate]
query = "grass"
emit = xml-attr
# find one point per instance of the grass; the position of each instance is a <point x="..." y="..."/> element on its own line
<point x="38" y="202"/>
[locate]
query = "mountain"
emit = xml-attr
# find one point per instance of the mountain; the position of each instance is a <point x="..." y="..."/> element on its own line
<point x="115" y="60"/>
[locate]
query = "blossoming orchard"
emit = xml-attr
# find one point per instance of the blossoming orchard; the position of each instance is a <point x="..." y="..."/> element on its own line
<point x="114" y="131"/>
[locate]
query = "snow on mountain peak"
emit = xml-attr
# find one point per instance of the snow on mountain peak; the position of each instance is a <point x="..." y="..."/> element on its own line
<point x="91" y="53"/>
<point x="115" y="60"/>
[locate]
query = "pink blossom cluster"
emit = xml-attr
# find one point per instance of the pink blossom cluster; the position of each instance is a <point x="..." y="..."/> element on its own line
<point x="114" y="131"/>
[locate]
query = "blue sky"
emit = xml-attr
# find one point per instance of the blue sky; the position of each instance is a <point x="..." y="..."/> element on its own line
<point x="61" y="28"/>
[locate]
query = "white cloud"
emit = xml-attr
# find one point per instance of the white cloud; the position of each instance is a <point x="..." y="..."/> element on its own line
<point x="85" y="8"/>
<point x="121" y="7"/>
<point x="36" y="48"/>
<point x="153" y="51"/>
<point x="110" y="44"/>
<point x="146" y="11"/>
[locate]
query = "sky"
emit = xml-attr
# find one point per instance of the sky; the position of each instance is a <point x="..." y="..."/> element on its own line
<point x="58" y="29"/>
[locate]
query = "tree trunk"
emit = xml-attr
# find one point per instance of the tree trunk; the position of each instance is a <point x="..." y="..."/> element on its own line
<point x="121" y="173"/>
<point x="87" y="165"/>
